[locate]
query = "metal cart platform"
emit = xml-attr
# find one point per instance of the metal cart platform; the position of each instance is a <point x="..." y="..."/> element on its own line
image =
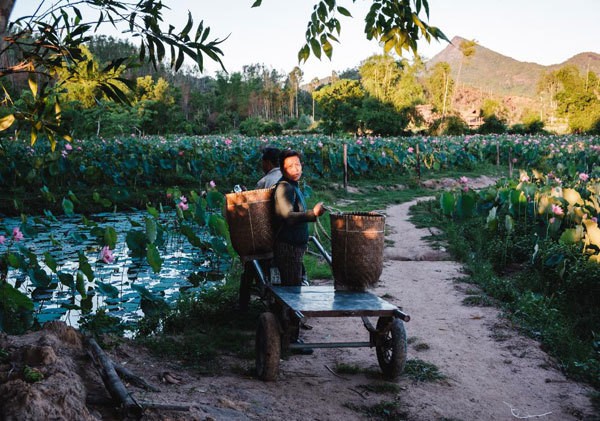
<point x="278" y="328"/>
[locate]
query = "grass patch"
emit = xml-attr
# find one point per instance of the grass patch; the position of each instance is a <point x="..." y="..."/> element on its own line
<point x="317" y="268"/>
<point x="477" y="301"/>
<point x="421" y="347"/>
<point x="344" y="368"/>
<point x="380" y="388"/>
<point x="201" y="328"/>
<point x="422" y="371"/>
<point x="386" y="410"/>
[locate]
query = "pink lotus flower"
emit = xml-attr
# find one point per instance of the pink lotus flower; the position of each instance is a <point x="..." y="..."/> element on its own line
<point x="359" y="142"/>
<point x="68" y="147"/>
<point x="169" y="195"/>
<point x="524" y="178"/>
<point x="583" y="176"/>
<point x="593" y="218"/>
<point x="557" y="210"/>
<point x="183" y="205"/>
<point x="410" y="150"/>
<point x="17" y="234"/>
<point x="106" y="255"/>
<point x="180" y="153"/>
<point x="552" y="220"/>
<point x="463" y="180"/>
<point x="2" y="239"/>
<point x="212" y="184"/>
<point x="228" y="142"/>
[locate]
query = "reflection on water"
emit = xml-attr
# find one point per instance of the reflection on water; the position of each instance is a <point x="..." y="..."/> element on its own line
<point x="65" y="237"/>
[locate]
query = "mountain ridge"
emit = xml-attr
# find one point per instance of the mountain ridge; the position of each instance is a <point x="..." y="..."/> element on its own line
<point x="502" y="75"/>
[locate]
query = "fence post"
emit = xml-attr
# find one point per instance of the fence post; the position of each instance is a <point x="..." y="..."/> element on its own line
<point x="510" y="163"/>
<point x="418" y="164"/>
<point x="345" y="167"/>
<point x="497" y="153"/>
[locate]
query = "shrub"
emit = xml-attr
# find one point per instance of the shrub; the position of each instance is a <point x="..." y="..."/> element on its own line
<point x="450" y="125"/>
<point x="304" y="122"/>
<point x="252" y="126"/>
<point x="492" y="124"/>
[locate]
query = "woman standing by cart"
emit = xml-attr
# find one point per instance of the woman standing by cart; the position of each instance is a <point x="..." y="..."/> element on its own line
<point x="293" y="216"/>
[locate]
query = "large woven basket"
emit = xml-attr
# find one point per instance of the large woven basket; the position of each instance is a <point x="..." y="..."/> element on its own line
<point x="249" y="215"/>
<point x="357" y="240"/>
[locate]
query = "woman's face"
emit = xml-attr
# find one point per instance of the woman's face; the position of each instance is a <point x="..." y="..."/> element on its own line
<point x="292" y="168"/>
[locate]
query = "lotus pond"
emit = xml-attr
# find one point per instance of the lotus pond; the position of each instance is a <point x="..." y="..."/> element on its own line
<point x="59" y="263"/>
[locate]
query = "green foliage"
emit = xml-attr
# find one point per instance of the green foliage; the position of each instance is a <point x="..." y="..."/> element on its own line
<point x="422" y="371"/>
<point x="492" y="124"/>
<point x="386" y="410"/>
<point x="440" y="86"/>
<point x="548" y="281"/>
<point x="101" y="323"/>
<point x="201" y="327"/>
<point x="449" y="126"/>
<point x="16" y="309"/>
<point x="32" y="375"/>
<point x="381" y="118"/>
<point x="575" y="98"/>
<point x="397" y="26"/>
<point x="339" y="103"/>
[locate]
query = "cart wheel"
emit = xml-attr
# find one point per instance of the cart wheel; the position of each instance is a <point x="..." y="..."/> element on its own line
<point x="391" y="346"/>
<point x="268" y="347"/>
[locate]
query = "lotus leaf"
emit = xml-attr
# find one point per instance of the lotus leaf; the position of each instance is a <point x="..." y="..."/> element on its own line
<point x="592" y="233"/>
<point x="465" y="205"/>
<point x="50" y="262"/>
<point x="447" y="203"/>
<point x="151" y="229"/>
<point x="572" y="196"/>
<point x="572" y="235"/>
<point x="154" y="259"/>
<point x="80" y="284"/>
<point x="107" y="289"/>
<point x="67" y="207"/>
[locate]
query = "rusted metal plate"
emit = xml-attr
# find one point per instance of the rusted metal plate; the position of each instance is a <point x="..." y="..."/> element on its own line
<point x="324" y="301"/>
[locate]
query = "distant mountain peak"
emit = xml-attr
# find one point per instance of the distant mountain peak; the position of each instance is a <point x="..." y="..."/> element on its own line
<point x="493" y="72"/>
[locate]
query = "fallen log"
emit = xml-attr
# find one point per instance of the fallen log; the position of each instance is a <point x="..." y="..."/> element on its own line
<point x="112" y="382"/>
<point x="118" y="391"/>
<point x="133" y="378"/>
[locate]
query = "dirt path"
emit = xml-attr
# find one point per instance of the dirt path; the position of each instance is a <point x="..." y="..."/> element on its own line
<point x="490" y="369"/>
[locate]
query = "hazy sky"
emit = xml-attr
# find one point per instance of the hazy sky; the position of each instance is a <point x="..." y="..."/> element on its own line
<point x="540" y="31"/>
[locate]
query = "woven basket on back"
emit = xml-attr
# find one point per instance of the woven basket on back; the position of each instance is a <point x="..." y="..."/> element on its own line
<point x="249" y="215"/>
<point x="357" y="249"/>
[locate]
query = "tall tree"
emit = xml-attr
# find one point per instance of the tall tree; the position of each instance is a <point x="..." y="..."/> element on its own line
<point x="314" y="84"/>
<point x="467" y="50"/>
<point x="379" y="75"/>
<point x="439" y="84"/>
<point x="51" y="38"/>
<point x="295" y="78"/>
<point x="340" y="103"/>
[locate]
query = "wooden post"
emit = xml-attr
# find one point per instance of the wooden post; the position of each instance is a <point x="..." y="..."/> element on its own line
<point x="510" y="163"/>
<point x="418" y="164"/>
<point x="497" y="153"/>
<point x="345" y="167"/>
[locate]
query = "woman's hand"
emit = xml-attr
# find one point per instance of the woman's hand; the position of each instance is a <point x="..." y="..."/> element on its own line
<point x="319" y="209"/>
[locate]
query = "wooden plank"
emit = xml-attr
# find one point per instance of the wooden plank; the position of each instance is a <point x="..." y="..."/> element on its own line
<point x="325" y="301"/>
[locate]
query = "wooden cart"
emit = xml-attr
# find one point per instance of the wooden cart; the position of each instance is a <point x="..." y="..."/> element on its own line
<point x="277" y="329"/>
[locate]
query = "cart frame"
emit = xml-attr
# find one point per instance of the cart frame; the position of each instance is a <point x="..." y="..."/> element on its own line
<point x="278" y="328"/>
